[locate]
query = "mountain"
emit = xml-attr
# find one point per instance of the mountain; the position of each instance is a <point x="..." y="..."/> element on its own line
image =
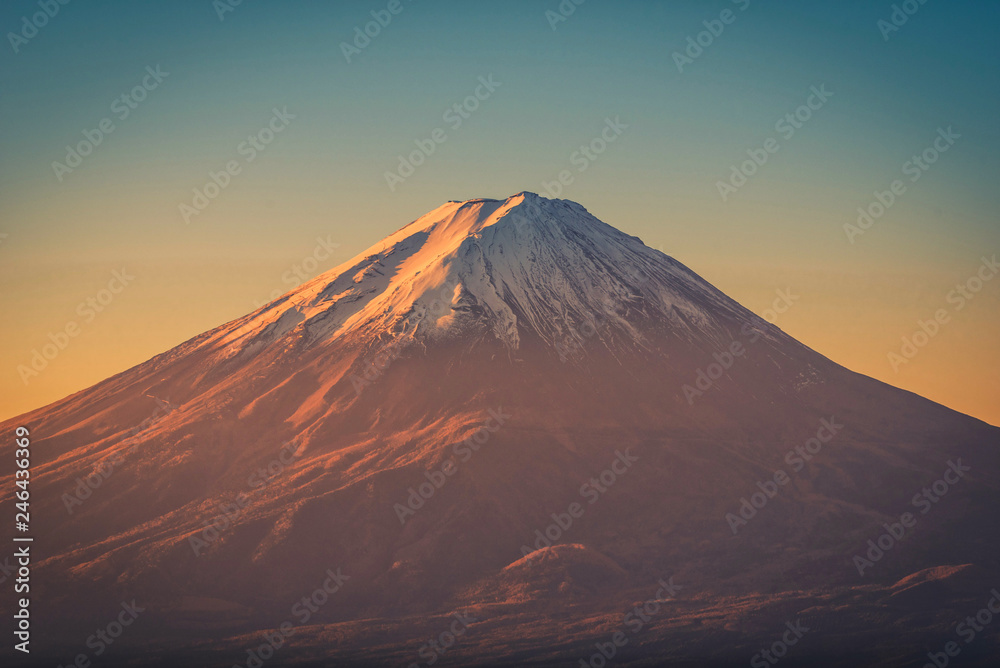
<point x="512" y="411"/>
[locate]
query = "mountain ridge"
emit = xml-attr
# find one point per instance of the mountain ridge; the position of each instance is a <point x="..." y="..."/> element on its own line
<point x="586" y="366"/>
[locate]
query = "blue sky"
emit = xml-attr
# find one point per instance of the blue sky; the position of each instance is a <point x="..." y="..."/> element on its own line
<point x="325" y="173"/>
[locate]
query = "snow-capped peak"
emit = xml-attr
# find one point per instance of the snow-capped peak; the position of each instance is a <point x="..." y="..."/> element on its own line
<point x="523" y="266"/>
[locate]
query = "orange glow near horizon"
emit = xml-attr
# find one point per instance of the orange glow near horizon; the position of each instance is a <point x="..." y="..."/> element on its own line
<point x="856" y="319"/>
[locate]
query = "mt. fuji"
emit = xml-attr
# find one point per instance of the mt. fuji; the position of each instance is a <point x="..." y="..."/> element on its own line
<point x="512" y="415"/>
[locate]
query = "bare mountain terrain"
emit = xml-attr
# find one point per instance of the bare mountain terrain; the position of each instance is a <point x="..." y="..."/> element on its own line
<point x="513" y="421"/>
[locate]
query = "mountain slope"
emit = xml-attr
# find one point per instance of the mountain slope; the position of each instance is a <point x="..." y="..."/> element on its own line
<point x="514" y="358"/>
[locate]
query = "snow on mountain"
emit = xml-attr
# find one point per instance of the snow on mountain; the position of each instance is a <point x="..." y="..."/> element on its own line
<point x="524" y="266"/>
<point x="466" y="313"/>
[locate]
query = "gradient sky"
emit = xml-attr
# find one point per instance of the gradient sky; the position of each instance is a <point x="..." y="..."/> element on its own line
<point x="323" y="176"/>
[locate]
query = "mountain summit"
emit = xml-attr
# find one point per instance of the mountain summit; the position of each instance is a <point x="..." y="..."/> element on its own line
<point x="507" y="269"/>
<point x="511" y="409"/>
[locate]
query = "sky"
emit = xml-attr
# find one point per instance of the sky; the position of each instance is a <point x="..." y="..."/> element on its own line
<point x="116" y="244"/>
